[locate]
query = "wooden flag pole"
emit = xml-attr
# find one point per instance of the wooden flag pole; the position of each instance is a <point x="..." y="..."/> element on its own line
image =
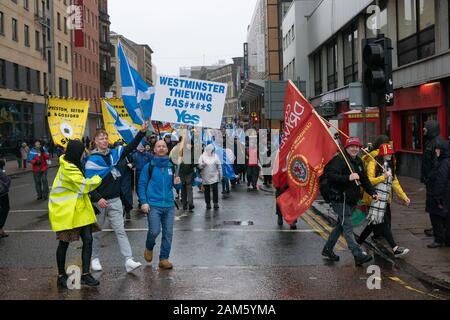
<point x="341" y="132"/>
<point x="325" y="126"/>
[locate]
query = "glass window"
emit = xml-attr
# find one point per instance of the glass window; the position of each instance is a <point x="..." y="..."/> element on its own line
<point x="412" y="128"/>
<point x="2" y="72"/>
<point x="416" y="19"/>
<point x="58" y="20"/>
<point x="14" y="30"/>
<point x="28" y="79"/>
<point x="66" y="54"/>
<point x="16" y="76"/>
<point x="332" y="65"/>
<point x="351" y="52"/>
<point x="37" y="40"/>
<point x="318" y="73"/>
<point x="26" y="31"/>
<point x="59" y="51"/>
<point x="2" y="23"/>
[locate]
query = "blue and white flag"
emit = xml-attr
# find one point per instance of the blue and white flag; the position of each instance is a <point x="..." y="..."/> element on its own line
<point x="126" y="130"/>
<point x="137" y="95"/>
<point x="96" y="165"/>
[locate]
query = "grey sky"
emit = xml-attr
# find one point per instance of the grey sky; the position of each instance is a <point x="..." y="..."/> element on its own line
<point x="182" y="32"/>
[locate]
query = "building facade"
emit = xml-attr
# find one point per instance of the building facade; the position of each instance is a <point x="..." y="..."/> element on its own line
<point x="145" y="67"/>
<point x="107" y="74"/>
<point x="421" y="61"/>
<point x="86" y="66"/>
<point x="229" y="74"/>
<point x="30" y="68"/>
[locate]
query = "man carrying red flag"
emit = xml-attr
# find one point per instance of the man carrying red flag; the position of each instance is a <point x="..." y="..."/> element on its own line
<point x="306" y="147"/>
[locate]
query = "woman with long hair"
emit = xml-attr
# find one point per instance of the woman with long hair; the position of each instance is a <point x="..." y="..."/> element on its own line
<point x="381" y="174"/>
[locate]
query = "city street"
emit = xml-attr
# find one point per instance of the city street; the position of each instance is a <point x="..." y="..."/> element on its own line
<point x="237" y="252"/>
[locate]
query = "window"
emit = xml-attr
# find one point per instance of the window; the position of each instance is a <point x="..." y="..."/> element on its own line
<point x="104" y="34"/>
<point x="45" y="83"/>
<point x="2" y="72"/>
<point x="332" y="65"/>
<point x="65" y="25"/>
<point x="26" y="32"/>
<point x="59" y="51"/>
<point x="371" y="21"/>
<point x="14" y="30"/>
<point x="415" y="30"/>
<point x="16" y="76"/>
<point x="26" y="4"/>
<point x="66" y="54"/>
<point x="412" y="124"/>
<point x="38" y="82"/>
<point x="318" y="73"/>
<point x="2" y="23"/>
<point x="37" y="40"/>
<point x="28" y="79"/>
<point x="58" y="21"/>
<point x="351" y="52"/>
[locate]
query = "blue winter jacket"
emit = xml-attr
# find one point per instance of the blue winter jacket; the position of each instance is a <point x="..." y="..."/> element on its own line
<point x="140" y="159"/>
<point x="159" y="191"/>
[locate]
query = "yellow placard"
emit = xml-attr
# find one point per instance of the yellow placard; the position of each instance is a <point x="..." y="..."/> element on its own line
<point x="67" y="119"/>
<point x="108" y="120"/>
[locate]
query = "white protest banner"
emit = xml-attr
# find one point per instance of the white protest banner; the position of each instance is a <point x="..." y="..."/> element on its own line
<point x="189" y="101"/>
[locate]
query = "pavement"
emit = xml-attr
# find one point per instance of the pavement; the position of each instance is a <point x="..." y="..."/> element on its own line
<point x="431" y="266"/>
<point x="12" y="167"/>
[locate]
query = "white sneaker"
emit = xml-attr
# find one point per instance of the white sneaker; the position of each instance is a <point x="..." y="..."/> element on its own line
<point x="131" y="265"/>
<point x="95" y="265"/>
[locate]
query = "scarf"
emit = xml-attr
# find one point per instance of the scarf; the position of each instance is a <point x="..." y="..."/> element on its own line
<point x="378" y="207"/>
<point x="96" y="164"/>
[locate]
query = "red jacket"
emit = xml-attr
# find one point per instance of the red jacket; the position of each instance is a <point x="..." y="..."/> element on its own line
<point x="39" y="163"/>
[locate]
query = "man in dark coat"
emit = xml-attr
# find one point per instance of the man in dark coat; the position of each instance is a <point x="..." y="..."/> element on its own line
<point x="346" y="194"/>
<point x="429" y="160"/>
<point x="438" y="187"/>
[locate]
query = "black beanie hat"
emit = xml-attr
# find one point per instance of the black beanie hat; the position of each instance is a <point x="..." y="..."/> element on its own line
<point x="74" y="151"/>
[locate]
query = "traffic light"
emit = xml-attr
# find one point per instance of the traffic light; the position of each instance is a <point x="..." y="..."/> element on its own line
<point x="377" y="71"/>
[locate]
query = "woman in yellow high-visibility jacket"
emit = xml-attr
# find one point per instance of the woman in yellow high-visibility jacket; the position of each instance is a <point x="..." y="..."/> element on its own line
<point x="70" y="211"/>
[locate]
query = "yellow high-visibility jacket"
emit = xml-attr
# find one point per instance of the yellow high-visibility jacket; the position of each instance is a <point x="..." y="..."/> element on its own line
<point x="69" y="205"/>
<point x="371" y="171"/>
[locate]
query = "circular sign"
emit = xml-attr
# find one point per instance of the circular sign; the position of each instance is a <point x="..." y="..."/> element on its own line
<point x="66" y="130"/>
<point x="298" y="170"/>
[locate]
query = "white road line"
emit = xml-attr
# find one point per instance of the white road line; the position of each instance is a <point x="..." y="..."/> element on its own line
<point x="26" y="211"/>
<point x="180" y="230"/>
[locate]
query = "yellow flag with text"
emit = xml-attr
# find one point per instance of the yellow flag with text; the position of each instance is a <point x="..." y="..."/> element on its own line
<point x="108" y="120"/>
<point x="67" y="119"/>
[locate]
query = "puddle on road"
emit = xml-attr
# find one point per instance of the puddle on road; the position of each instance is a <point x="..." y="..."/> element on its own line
<point x="238" y="223"/>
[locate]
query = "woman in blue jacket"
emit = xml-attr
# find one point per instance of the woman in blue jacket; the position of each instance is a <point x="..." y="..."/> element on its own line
<point x="156" y="195"/>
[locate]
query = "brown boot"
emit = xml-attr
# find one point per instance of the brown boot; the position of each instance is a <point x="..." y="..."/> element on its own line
<point x="165" y="264"/>
<point x="148" y="255"/>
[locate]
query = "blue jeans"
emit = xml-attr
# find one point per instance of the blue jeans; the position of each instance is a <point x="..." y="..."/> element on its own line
<point x="344" y="225"/>
<point x="160" y="218"/>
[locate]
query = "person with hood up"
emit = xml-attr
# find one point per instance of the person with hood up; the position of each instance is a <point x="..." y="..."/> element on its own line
<point x="432" y="136"/>
<point x="438" y="192"/>
<point x="71" y="213"/>
<point x="211" y="172"/>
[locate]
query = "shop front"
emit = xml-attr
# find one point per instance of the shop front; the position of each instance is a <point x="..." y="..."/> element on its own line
<point x="412" y="108"/>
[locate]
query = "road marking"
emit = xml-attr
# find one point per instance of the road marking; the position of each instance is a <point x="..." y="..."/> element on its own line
<point x="406" y="286"/>
<point x="326" y="226"/>
<point x="319" y="230"/>
<point x="181" y="230"/>
<point x="20" y="186"/>
<point x="26" y="211"/>
<point x="340" y="245"/>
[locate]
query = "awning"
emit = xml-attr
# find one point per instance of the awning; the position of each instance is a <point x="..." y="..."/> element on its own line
<point x="252" y="90"/>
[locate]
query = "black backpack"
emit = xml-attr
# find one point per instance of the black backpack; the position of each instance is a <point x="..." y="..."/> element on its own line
<point x="328" y="193"/>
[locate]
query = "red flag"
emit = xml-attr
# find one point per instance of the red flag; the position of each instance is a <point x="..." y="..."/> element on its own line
<point x="306" y="148"/>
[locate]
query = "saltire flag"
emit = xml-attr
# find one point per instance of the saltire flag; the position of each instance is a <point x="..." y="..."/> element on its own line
<point x="227" y="163"/>
<point x="126" y="130"/>
<point x="137" y="95"/>
<point x="306" y="147"/>
<point x="34" y="152"/>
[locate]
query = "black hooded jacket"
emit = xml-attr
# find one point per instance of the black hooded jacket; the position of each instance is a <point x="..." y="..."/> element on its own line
<point x="429" y="160"/>
<point x="338" y="175"/>
<point x="438" y="197"/>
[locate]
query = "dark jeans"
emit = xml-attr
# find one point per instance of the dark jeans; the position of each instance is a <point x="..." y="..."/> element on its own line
<point x="382" y="229"/>
<point x="344" y="225"/>
<point x="86" y="252"/>
<point x="41" y="184"/>
<point x="252" y="176"/>
<point x="4" y="210"/>
<point x="441" y="228"/>
<point x="267" y="180"/>
<point x="215" y="191"/>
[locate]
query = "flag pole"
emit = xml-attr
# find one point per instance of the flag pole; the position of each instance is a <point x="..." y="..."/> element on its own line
<point x="343" y="133"/>
<point x="325" y="126"/>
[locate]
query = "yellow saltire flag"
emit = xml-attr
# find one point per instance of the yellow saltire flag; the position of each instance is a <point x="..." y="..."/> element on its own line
<point x="108" y="120"/>
<point x="67" y="119"/>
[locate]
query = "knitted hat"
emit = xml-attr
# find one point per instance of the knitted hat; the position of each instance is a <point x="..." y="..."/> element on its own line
<point x="353" y="141"/>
